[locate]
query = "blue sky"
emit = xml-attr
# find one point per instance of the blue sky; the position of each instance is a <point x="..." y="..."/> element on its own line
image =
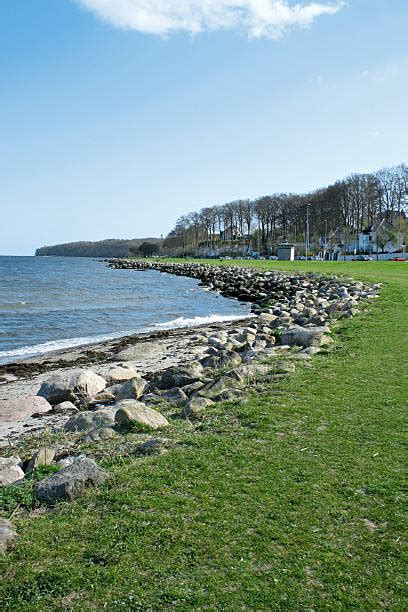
<point x="118" y="117"/>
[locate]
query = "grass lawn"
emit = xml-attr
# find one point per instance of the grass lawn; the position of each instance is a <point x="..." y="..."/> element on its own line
<point x="290" y="501"/>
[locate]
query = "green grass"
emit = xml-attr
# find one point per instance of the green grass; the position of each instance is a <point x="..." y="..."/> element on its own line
<point x="290" y="501"/>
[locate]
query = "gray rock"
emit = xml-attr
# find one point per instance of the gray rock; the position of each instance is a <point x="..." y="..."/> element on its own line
<point x="300" y="336"/>
<point x="224" y="359"/>
<point x="63" y="463"/>
<point x="44" y="456"/>
<point x="19" y="409"/>
<point x="311" y="350"/>
<point x="89" y="421"/>
<point x="104" y="397"/>
<point x="154" y="446"/>
<point x="71" y="386"/>
<point x="98" y="435"/>
<point x="140" y="352"/>
<point x="266" y="318"/>
<point x="132" y="389"/>
<point x="64" y="408"/>
<point x="10" y="470"/>
<point x="215" y="389"/>
<point x="7" y="534"/>
<point x="283" y="367"/>
<point x="175" y="395"/>
<point x="190" y="389"/>
<point x="69" y="482"/>
<point x="117" y="373"/>
<point x="178" y="376"/>
<point x="231" y="395"/>
<point x="132" y="412"/>
<point x="152" y="398"/>
<point x="249" y="373"/>
<point x="195" y="406"/>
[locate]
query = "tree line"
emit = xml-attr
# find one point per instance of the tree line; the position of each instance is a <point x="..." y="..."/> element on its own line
<point x="336" y="213"/>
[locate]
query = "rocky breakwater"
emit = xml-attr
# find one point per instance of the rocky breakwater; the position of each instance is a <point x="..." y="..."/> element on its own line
<point x="303" y="298"/>
<point x="293" y="319"/>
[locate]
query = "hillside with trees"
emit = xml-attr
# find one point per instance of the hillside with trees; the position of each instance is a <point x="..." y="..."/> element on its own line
<point x="103" y="248"/>
<point x="333" y="215"/>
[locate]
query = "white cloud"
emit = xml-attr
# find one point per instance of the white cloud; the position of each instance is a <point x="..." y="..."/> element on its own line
<point x="270" y="18"/>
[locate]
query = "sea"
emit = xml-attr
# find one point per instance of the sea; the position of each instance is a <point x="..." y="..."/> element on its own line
<point x="51" y="303"/>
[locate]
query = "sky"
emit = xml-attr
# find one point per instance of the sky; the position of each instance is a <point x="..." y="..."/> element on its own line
<point x="119" y="116"/>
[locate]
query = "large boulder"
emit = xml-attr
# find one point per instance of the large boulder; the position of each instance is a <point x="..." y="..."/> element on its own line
<point x="69" y="482"/>
<point x="311" y="336"/>
<point x="217" y="390"/>
<point x="132" y="389"/>
<point x="89" y="421"/>
<point x="71" y="386"/>
<point x="10" y="470"/>
<point x="117" y="373"/>
<point x="18" y="409"/>
<point x="179" y="376"/>
<point x="130" y="412"/>
<point x="7" y="534"/>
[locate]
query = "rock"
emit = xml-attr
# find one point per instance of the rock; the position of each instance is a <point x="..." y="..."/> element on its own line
<point x="231" y="395"/>
<point x="89" y="421"/>
<point x="97" y="435"/>
<point x="224" y="359"/>
<point x="63" y="463"/>
<point x="283" y="367"/>
<point x="132" y="389"/>
<point x="194" y="406"/>
<point x="7" y="534"/>
<point x="141" y="352"/>
<point x="44" y="456"/>
<point x="266" y="318"/>
<point x="10" y="470"/>
<point x="69" y="482"/>
<point x="71" y="386"/>
<point x="113" y="389"/>
<point x="19" y="409"/>
<point x="178" y="376"/>
<point x="153" y="398"/>
<point x="132" y="412"/>
<point x="64" y="408"/>
<point x="154" y="446"/>
<point x="175" y="395"/>
<point x="311" y="350"/>
<point x="117" y="373"/>
<point x="249" y="373"/>
<point x="300" y="336"/>
<point x="104" y="397"/>
<point x="190" y="389"/>
<point x="215" y="389"/>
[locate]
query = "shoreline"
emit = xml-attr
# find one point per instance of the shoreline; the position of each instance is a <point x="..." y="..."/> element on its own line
<point x="281" y="303"/>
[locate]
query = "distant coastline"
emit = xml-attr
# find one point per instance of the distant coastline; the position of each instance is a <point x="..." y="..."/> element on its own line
<point x="102" y="248"/>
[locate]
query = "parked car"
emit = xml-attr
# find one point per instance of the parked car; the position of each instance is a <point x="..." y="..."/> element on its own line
<point x="300" y="258"/>
<point x="362" y="258"/>
<point x="398" y="259"/>
<point x="274" y="257"/>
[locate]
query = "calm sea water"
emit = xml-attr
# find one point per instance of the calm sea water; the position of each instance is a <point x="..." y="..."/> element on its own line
<point x="49" y="303"/>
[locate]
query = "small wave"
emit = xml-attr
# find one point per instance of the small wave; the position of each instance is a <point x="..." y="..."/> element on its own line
<point x="35" y="350"/>
<point x="57" y="345"/>
<point x="183" y="322"/>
